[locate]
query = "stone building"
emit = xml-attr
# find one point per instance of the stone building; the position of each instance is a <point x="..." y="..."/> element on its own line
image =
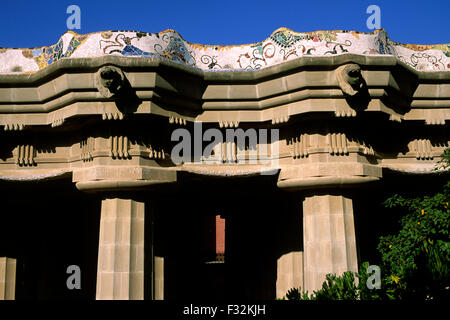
<point x="170" y="170"/>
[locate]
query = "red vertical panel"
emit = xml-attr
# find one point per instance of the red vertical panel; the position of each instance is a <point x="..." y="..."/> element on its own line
<point x="220" y="238"/>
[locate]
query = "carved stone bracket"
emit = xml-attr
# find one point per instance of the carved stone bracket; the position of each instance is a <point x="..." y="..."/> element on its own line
<point x="151" y="146"/>
<point x="228" y="124"/>
<point x="345" y="111"/>
<point x="112" y="116"/>
<point x="300" y="146"/>
<point x="58" y="120"/>
<point x="350" y="79"/>
<point x="280" y="116"/>
<point x="119" y="147"/>
<point x="434" y="117"/>
<point x="229" y="152"/>
<point x="225" y="152"/>
<point x="25" y="155"/>
<point x="87" y="148"/>
<point x="435" y="121"/>
<point x="177" y="120"/>
<point x="155" y="154"/>
<point x="14" y="127"/>
<point x="368" y="150"/>
<point x="109" y="80"/>
<point x="423" y="149"/>
<point x="337" y="143"/>
<point x="355" y="90"/>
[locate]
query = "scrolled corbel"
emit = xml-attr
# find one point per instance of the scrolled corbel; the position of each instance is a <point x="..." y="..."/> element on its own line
<point x="350" y="79"/>
<point x="109" y="81"/>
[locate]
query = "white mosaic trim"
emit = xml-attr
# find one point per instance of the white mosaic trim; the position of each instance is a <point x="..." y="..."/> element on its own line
<point x="281" y="46"/>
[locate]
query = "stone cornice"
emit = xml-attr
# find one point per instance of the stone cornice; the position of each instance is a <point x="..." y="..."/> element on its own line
<point x="67" y="86"/>
<point x="106" y="121"/>
<point x="74" y="65"/>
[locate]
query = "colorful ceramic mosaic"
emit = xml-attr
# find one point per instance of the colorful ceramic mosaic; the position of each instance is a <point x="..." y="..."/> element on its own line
<point x="282" y="45"/>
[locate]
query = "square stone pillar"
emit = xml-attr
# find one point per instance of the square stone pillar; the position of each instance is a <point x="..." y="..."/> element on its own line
<point x="328" y="238"/>
<point x="289" y="272"/>
<point x="7" y="278"/>
<point x="120" y="274"/>
<point x="158" y="278"/>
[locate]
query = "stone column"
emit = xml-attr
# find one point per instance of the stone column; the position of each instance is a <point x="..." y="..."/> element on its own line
<point x="158" y="278"/>
<point x="289" y="272"/>
<point x="120" y="274"/>
<point x="7" y="278"/>
<point x="329" y="238"/>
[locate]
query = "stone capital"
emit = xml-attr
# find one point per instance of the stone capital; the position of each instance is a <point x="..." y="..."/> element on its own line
<point x="327" y="175"/>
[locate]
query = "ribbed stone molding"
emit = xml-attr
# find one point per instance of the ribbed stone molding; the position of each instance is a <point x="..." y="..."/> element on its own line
<point x="328" y="238"/>
<point x="120" y="274"/>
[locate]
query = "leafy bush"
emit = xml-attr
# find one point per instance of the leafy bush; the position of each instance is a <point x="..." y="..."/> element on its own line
<point x="342" y="287"/>
<point x="338" y="288"/>
<point x="415" y="261"/>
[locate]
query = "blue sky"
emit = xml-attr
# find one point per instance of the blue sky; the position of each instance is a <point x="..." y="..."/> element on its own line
<point x="40" y="23"/>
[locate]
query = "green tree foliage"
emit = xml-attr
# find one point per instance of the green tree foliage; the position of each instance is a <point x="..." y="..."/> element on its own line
<point x="348" y="286"/>
<point x="415" y="261"/>
<point x="338" y="288"/>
